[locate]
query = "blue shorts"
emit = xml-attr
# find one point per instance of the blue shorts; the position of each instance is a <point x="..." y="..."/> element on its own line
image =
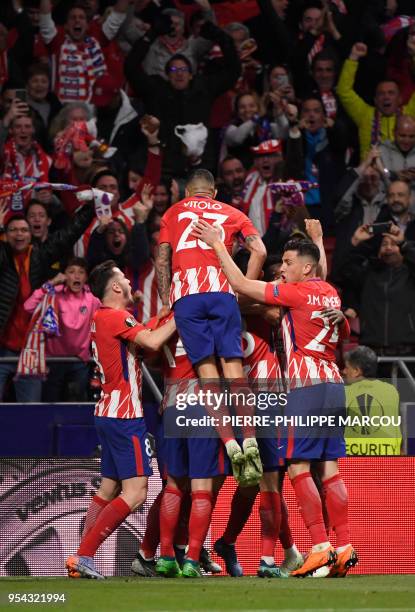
<point x="308" y="443"/>
<point x="192" y="455"/>
<point x="126" y="451"/>
<point x="268" y="434"/>
<point x="270" y="453"/>
<point x="209" y="324"/>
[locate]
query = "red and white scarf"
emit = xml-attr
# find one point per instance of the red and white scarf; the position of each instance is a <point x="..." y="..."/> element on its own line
<point x="316" y="48"/>
<point x="78" y="68"/>
<point x="173" y="45"/>
<point x="33" y="167"/>
<point x="32" y="361"/>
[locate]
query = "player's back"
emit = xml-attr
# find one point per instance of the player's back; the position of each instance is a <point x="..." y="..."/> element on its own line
<point x="112" y="332"/>
<point x="195" y="266"/>
<point x="179" y="218"/>
<point x="309" y="339"/>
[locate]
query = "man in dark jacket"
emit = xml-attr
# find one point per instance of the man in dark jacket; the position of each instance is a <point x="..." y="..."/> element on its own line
<point x="385" y="287"/>
<point x="23" y="268"/>
<point x="184" y="98"/>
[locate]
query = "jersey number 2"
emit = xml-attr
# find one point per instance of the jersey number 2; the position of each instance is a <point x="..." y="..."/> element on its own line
<point x="184" y="243"/>
<point x="315" y="344"/>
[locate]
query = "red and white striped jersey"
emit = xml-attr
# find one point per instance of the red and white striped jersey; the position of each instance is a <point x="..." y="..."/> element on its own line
<point x="117" y="358"/>
<point x="309" y="339"/>
<point x="124" y="212"/>
<point x="146" y="282"/>
<point x="260" y="358"/>
<point x="178" y="373"/>
<point x="195" y="267"/>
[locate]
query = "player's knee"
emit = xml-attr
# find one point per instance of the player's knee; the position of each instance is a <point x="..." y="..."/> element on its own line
<point x="137" y="499"/>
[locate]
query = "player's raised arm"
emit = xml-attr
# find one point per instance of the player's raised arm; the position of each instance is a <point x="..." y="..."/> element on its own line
<point x="258" y="254"/>
<point x="154" y="340"/>
<point x="211" y="235"/>
<point x="315" y="231"/>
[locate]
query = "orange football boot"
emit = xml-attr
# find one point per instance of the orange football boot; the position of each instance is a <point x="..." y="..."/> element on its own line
<point x="315" y="560"/>
<point x="345" y="561"/>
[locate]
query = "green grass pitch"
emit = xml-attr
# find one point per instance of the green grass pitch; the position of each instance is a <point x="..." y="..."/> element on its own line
<point x="369" y="593"/>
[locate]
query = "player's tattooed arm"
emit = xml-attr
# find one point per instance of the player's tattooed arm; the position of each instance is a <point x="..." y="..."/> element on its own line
<point x="258" y="254"/>
<point x="163" y="271"/>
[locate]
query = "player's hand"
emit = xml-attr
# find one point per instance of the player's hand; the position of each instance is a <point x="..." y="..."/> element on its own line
<point x="361" y="234"/>
<point x="138" y="296"/>
<point x="396" y="234"/>
<point x="314" y="229"/>
<point x="163" y="312"/>
<point x="358" y="51"/>
<point x="333" y="315"/>
<point x="350" y="313"/>
<point x="206" y="232"/>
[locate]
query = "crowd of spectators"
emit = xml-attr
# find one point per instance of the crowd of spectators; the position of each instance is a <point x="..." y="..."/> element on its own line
<point x="129" y="96"/>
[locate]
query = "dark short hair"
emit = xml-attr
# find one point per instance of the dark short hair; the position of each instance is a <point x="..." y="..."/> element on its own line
<point x="394" y="81"/>
<point x="14" y="218"/>
<point x="201" y="175"/>
<point x="121" y="223"/>
<point x="305" y="248"/>
<point x="9" y="84"/>
<point x="178" y="56"/>
<point x="100" y="277"/>
<point x="81" y="262"/>
<point x="365" y="359"/>
<point x="35" y="202"/>
<point x="76" y="5"/>
<point x="315" y="98"/>
<point x="101" y="173"/>
<point x="269" y="263"/>
<point x="310" y="4"/>
<point x="404" y="181"/>
<point x="326" y="55"/>
<point x="36" y="69"/>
